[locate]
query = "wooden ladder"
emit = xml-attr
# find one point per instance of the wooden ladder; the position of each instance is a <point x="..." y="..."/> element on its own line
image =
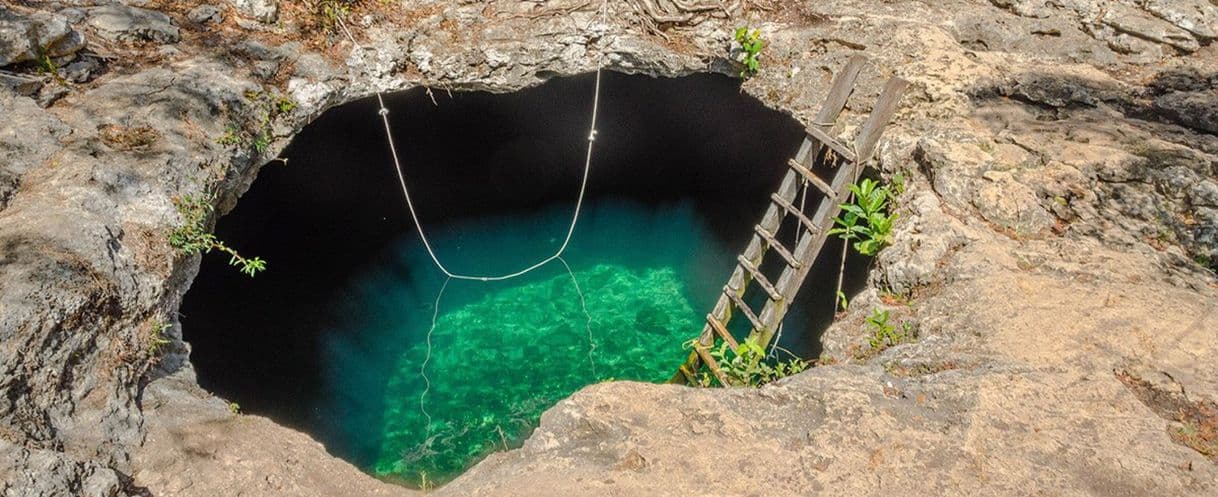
<point x="818" y="148"/>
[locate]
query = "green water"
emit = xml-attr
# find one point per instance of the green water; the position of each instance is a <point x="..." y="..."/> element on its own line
<point x="504" y="352"/>
<point x="498" y="363"/>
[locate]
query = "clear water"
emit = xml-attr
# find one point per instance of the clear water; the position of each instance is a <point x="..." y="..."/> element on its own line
<point x="503" y="352"/>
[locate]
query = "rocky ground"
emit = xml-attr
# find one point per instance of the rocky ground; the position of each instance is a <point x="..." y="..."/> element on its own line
<point x="1052" y="271"/>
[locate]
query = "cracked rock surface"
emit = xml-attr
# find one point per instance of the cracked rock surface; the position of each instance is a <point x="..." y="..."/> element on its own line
<point x="1051" y="269"/>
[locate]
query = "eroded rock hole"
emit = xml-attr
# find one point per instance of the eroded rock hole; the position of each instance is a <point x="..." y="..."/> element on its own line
<point x="330" y="339"/>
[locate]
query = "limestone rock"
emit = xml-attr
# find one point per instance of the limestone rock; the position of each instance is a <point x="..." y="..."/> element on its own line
<point x="253" y="455"/>
<point x="1195" y="109"/>
<point x="1010" y="204"/>
<point x="28" y="137"/>
<point x="265" y="11"/>
<point x="1136" y="22"/>
<point x="27" y="37"/>
<point x="131" y="24"/>
<point x="40" y="472"/>
<point x="22" y="84"/>
<point x="1198" y="17"/>
<point x="205" y="14"/>
<point x="924" y="236"/>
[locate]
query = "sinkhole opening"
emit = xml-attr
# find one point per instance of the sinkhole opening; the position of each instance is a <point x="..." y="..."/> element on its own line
<point x="333" y="337"/>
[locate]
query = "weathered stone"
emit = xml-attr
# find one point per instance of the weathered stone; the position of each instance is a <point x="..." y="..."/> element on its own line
<point x="265" y="11"/>
<point x="22" y="84"/>
<point x="26" y="472"/>
<point x="924" y="236"/>
<point x="51" y="93"/>
<point x="1137" y="22"/>
<point x="81" y="70"/>
<point x="185" y="419"/>
<point x="132" y="24"/>
<point x="41" y="34"/>
<point x="205" y="14"/>
<point x="1204" y="194"/>
<point x="1199" y="17"/>
<point x="74" y="15"/>
<point x="1011" y="205"/>
<point x="1195" y="109"/>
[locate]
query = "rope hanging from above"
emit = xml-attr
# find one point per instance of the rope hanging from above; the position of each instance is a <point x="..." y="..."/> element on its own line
<point x="383" y="111"/>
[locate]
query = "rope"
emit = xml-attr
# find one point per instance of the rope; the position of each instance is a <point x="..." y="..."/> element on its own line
<point x="583" y="186"/>
<point x="383" y="112"/>
<point x="841" y="268"/>
<point x="435" y="313"/>
<point x="583" y="304"/>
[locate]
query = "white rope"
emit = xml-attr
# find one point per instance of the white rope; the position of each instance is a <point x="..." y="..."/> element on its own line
<point x="583" y="304"/>
<point x="435" y="313"/>
<point x="579" y="202"/>
<point x="383" y="112"/>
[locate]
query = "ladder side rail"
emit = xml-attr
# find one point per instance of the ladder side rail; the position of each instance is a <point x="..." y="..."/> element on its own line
<point x="865" y="143"/>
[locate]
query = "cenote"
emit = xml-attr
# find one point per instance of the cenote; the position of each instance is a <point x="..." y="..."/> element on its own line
<point x="332" y="338"/>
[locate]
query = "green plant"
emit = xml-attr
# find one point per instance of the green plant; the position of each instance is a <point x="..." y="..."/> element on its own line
<point x="157" y="339"/>
<point x="193" y="238"/>
<point x="267" y="107"/>
<point x="44" y="64"/>
<point x="234" y="408"/>
<point x="748" y="366"/>
<point x="866" y="220"/>
<point x="898" y="183"/>
<point x="329" y="14"/>
<point x="843" y="305"/>
<point x="751" y="46"/>
<point x="230" y="137"/>
<point x="883" y="334"/>
<point x="1205" y="261"/>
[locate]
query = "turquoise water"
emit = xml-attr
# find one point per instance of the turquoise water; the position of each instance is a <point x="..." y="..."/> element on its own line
<point x="503" y="352"/>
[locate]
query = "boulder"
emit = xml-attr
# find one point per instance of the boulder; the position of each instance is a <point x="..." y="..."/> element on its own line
<point x="1194" y="109"/>
<point x="266" y="11"/>
<point x="1199" y="17"/>
<point x="1136" y="22"/>
<point x="131" y="24"/>
<point x="24" y="38"/>
<point x="205" y="14"/>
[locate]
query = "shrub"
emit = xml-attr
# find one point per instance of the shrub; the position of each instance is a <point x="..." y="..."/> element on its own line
<point x="866" y="220"/>
<point x="748" y="366"/>
<point x="751" y="46"/>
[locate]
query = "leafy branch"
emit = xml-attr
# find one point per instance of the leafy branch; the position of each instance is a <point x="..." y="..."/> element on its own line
<point x="193" y="238"/>
<point x="866" y="221"/>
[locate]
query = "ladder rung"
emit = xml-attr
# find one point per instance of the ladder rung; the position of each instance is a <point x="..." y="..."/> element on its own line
<point x="794" y="211"/>
<point x="759" y="278"/>
<point x="819" y="183"/>
<point x="720" y="329"/>
<point x="711" y="363"/>
<point x="744" y="308"/>
<point x="837" y="147"/>
<point x="773" y="243"/>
